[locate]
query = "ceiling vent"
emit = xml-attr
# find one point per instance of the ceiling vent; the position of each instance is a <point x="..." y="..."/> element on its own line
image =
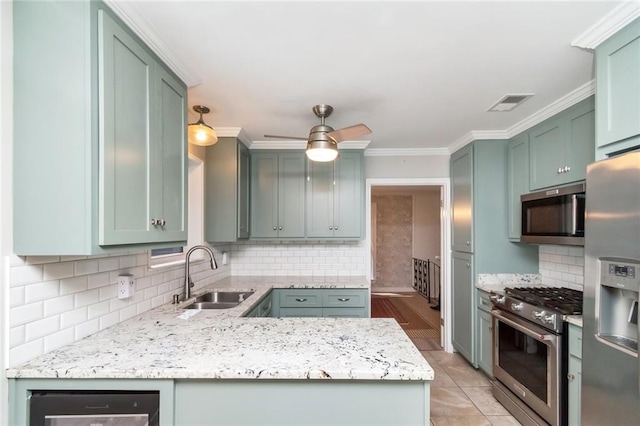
<point x="509" y="102"/>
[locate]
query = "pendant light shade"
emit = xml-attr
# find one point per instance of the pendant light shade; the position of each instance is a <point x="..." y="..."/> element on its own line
<point x="322" y="151"/>
<point x="200" y="133"/>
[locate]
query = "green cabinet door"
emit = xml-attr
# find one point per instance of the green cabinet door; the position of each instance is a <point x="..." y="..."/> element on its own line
<point x="461" y="199"/>
<point x="561" y="147"/>
<point x="125" y="92"/>
<point x="291" y="187"/>
<point x="485" y="342"/>
<point x="618" y="88"/>
<point x="335" y="197"/>
<point x="244" y="193"/>
<point x="348" y="200"/>
<point x="463" y="311"/>
<point x="226" y="187"/>
<point x="169" y="169"/>
<point x="518" y="175"/>
<point x="277" y="194"/>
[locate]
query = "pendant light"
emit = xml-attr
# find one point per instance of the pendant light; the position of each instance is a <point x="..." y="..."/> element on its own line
<point x="200" y="133"/>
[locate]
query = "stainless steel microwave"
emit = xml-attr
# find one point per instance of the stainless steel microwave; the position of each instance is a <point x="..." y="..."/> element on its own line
<point x="554" y="216"/>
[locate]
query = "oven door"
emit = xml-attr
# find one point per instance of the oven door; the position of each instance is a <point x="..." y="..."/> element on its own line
<point x="526" y="359"/>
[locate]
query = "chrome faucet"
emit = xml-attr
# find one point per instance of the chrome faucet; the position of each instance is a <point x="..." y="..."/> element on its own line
<point x="188" y="283"/>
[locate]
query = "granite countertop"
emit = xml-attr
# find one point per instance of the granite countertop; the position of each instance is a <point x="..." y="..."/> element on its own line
<point x="498" y="282"/>
<point x="172" y="343"/>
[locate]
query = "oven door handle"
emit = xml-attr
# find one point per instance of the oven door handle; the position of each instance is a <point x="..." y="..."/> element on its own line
<point x="541" y="337"/>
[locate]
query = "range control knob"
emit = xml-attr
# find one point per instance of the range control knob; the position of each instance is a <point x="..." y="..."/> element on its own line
<point x="549" y="319"/>
<point x="538" y="315"/>
<point x="517" y="307"/>
<point x="497" y="299"/>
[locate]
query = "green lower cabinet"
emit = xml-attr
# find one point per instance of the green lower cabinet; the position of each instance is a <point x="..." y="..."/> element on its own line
<point x="485" y="334"/>
<point x="263" y="308"/>
<point x="301" y="402"/>
<point x="336" y="303"/>
<point x="574" y="374"/>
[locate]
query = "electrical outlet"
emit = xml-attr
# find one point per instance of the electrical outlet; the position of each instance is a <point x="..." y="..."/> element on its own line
<point x="126" y="286"/>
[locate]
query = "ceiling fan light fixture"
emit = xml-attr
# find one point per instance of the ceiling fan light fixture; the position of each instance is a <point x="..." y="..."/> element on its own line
<point x="199" y="133"/>
<point x="321" y="151"/>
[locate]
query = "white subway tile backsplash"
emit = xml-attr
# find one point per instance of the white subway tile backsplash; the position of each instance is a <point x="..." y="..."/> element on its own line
<point x="26" y="274"/>
<point x="562" y="266"/>
<point x="86" y="267"/>
<point x="97" y="310"/>
<point x="26" y="351"/>
<point x="16" y="296"/>
<point x="108" y="264"/>
<point x="56" y="271"/>
<point x="16" y="336"/>
<point x="42" y="328"/>
<point x="108" y="292"/>
<point x="87" y="298"/>
<point x="26" y="313"/>
<point x="98" y="280"/>
<point x="41" y="291"/>
<point x="58" y="339"/>
<point x="108" y="320"/>
<point x="75" y="317"/>
<point x="58" y="305"/>
<point x="73" y="285"/>
<point x="86" y="328"/>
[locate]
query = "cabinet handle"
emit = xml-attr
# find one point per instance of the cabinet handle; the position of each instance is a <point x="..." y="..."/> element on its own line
<point x="571" y="377"/>
<point x="343" y="299"/>
<point x="301" y="299"/>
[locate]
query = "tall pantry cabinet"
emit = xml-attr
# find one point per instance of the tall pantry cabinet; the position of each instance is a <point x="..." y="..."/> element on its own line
<point x="480" y="240"/>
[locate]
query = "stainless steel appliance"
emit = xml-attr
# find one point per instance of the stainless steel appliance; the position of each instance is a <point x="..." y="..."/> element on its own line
<point x="612" y="281"/>
<point x="554" y="216"/>
<point x="105" y="408"/>
<point x="530" y="351"/>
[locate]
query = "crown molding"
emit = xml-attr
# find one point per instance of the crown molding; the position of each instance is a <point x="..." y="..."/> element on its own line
<point x="233" y="132"/>
<point x="572" y="98"/>
<point x="464" y="140"/>
<point x="136" y="21"/>
<point x="406" y="152"/>
<point x="608" y="25"/>
<point x="303" y="144"/>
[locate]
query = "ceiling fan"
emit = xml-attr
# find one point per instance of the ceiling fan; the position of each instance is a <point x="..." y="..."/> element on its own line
<point x="322" y="143"/>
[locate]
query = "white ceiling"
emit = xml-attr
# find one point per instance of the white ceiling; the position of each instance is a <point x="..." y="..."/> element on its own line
<point x="420" y="74"/>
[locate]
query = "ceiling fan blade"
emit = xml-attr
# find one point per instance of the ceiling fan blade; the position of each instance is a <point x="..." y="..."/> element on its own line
<point x="295" y="138"/>
<point x="349" y="133"/>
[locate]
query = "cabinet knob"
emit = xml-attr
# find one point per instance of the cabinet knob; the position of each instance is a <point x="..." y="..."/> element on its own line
<point x="560" y="170"/>
<point x="335" y="228"/>
<point x="571" y="377"/>
<point x="331" y="228"/>
<point x="468" y="243"/>
<point x="275" y="228"/>
<point x="162" y="222"/>
<point x="567" y="169"/>
<point x="154" y="222"/>
<point x="468" y="265"/>
<point x="280" y="228"/>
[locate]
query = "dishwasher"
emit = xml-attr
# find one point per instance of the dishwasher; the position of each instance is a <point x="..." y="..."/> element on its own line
<point x="94" y="408"/>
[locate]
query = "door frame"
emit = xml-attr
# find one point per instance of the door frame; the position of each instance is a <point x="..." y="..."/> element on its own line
<point x="445" y="238"/>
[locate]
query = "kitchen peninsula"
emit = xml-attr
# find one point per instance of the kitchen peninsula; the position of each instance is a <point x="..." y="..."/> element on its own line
<point x="218" y="365"/>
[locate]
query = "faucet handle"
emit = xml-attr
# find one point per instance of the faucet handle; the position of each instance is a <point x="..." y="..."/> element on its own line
<point x="191" y="284"/>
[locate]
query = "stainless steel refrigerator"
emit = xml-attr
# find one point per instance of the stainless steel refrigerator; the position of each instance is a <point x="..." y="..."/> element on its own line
<point x="610" y="377"/>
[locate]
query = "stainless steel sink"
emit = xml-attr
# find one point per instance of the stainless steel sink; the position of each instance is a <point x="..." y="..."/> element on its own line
<point x="219" y="300"/>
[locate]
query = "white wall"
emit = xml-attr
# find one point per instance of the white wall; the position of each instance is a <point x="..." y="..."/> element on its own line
<point x="424" y="166"/>
<point x="426" y="226"/>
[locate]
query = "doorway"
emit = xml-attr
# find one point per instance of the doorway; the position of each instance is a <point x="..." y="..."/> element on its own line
<point x="407" y="222"/>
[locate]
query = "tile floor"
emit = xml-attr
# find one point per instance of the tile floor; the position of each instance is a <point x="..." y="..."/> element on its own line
<point x="461" y="395"/>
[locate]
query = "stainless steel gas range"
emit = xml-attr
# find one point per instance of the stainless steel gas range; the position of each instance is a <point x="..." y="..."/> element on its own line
<point x="530" y="351"/>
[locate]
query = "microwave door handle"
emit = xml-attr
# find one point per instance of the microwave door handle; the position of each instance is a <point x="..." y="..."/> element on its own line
<point x="574" y="214"/>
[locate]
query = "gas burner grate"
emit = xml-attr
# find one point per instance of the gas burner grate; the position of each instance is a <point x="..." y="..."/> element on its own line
<point x="563" y="299"/>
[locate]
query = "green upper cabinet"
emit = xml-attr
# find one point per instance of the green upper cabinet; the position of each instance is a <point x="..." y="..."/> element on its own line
<point x="461" y="202"/>
<point x="277" y="194"/>
<point x="560" y="148"/>
<point x="335" y="197"/>
<point x="618" y="91"/>
<point x="108" y="159"/>
<point x="142" y="192"/>
<point x="226" y="191"/>
<point x="518" y="181"/>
